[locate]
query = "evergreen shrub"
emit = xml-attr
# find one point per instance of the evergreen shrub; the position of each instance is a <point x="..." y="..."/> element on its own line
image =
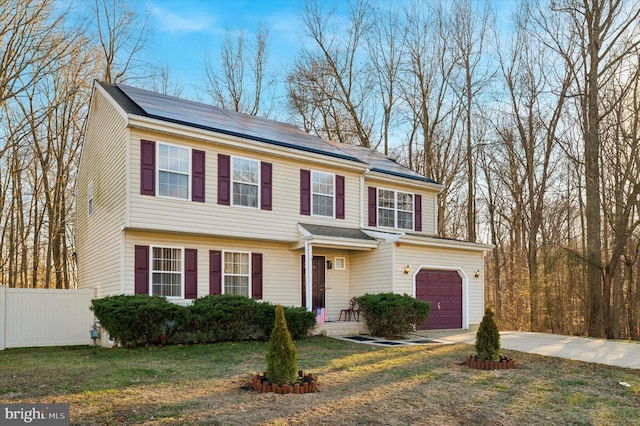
<point x="300" y="322"/>
<point x="222" y="318"/>
<point x="145" y="320"/>
<point x="139" y="319"/>
<point x="282" y="355"/>
<point x="392" y="315"/>
<point x="488" y="337"/>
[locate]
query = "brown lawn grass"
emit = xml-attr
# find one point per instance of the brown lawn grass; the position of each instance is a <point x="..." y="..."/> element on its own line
<point x="359" y="385"/>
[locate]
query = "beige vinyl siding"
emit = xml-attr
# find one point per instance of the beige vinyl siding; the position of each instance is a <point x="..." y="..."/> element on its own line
<point x="429" y="201"/>
<point x="281" y="266"/>
<point x="210" y="218"/>
<point x="371" y="270"/>
<point x="468" y="261"/>
<point x="103" y="162"/>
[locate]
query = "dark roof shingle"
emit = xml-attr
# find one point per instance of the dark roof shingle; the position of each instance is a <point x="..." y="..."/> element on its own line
<point x="146" y="103"/>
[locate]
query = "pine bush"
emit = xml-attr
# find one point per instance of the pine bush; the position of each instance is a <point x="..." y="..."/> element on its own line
<point x="282" y="355"/>
<point x="488" y="337"/>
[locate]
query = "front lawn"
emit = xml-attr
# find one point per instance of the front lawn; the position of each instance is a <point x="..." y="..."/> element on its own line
<point x="359" y="384"/>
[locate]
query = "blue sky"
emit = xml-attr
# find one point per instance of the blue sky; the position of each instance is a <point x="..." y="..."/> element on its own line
<point x="183" y="32"/>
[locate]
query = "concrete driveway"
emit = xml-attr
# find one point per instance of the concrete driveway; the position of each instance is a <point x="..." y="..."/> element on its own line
<point x="599" y="351"/>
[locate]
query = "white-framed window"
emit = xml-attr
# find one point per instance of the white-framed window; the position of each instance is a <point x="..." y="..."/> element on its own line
<point x="167" y="272"/>
<point x="395" y="209"/>
<point x="245" y="177"/>
<point x="339" y="263"/>
<point x="174" y="168"/>
<point x="90" y="198"/>
<point x="237" y="273"/>
<point x="323" y="194"/>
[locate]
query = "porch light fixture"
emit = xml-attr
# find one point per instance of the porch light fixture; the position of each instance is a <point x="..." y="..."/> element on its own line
<point x="407" y="269"/>
<point x="477" y="275"/>
<point x="329" y="264"/>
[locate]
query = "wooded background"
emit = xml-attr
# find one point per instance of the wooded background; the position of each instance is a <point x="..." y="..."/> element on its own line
<point x="531" y="125"/>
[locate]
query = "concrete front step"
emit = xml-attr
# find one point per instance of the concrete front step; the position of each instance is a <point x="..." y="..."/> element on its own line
<point x="341" y="328"/>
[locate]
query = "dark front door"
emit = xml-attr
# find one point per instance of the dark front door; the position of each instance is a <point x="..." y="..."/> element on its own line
<point x="317" y="282"/>
<point x="443" y="289"/>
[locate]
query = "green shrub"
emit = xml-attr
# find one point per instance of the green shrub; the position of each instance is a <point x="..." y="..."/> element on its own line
<point x="222" y="318"/>
<point x="392" y="315"/>
<point x="282" y="355"/>
<point x="488" y="337"/>
<point x="299" y="321"/>
<point x="140" y="319"/>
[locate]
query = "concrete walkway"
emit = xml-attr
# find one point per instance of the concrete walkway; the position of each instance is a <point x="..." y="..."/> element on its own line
<point x="599" y="351"/>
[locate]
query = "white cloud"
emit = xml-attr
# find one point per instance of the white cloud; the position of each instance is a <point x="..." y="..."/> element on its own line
<point x="185" y="22"/>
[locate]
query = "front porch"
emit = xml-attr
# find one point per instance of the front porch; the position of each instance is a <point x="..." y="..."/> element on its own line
<point x="340" y="328"/>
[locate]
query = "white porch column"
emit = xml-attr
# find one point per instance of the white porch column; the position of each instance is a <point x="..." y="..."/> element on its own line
<point x="308" y="279"/>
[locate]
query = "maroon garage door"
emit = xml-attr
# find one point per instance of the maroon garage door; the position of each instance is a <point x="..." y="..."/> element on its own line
<point x="444" y="290"/>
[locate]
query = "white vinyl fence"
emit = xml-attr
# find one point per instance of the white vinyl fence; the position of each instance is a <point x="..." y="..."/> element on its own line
<point x="44" y="317"/>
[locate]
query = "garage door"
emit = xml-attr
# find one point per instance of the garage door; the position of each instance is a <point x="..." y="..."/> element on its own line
<point x="444" y="290"/>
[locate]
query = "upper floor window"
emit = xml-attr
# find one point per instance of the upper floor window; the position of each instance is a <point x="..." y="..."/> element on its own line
<point x="236" y="273"/>
<point x="166" y="272"/>
<point x="322" y="190"/>
<point x="173" y="171"/>
<point x="322" y="194"/>
<point x="246" y="180"/>
<point x="395" y="209"/>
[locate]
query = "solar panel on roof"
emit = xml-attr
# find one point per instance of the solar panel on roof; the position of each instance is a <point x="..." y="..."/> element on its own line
<point x="196" y="114"/>
<point x="228" y="122"/>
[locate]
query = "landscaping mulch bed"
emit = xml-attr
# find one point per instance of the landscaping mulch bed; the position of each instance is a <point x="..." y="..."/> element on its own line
<point x="307" y="383"/>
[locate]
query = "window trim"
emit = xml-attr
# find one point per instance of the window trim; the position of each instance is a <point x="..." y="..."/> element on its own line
<point x="248" y="275"/>
<point x="182" y="271"/>
<point x="333" y="195"/>
<point x="395" y="209"/>
<point x="159" y="169"/>
<point x="336" y="264"/>
<point x="258" y="185"/>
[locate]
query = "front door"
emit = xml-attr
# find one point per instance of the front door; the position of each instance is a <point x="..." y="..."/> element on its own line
<point x="317" y="282"/>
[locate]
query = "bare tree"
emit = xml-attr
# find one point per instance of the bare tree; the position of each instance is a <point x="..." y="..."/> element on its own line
<point x="468" y="27"/>
<point x="243" y="83"/>
<point x="121" y="37"/>
<point x="162" y="82"/>
<point x="428" y="68"/>
<point x="28" y="40"/>
<point x="334" y="72"/>
<point x="607" y="33"/>
<point x="536" y="86"/>
<point x="385" y="48"/>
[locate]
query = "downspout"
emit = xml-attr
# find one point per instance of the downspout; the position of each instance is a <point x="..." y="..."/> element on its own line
<point x="308" y="279"/>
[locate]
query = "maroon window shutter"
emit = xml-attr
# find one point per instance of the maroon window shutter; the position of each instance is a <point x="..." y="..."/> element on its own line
<point x="305" y="192"/>
<point x="265" y="186"/>
<point x="197" y="177"/>
<point x="417" y="205"/>
<point x="215" y="272"/>
<point x="147" y="167"/>
<point x="141" y="268"/>
<point x="339" y="197"/>
<point x="224" y="179"/>
<point x="190" y="273"/>
<point x="373" y="206"/>
<point x="256" y="276"/>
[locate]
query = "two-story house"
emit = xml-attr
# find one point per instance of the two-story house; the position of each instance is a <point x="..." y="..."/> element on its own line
<point x="181" y="199"/>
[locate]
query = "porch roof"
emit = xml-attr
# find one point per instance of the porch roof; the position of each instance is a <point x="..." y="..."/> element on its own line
<point x="334" y="237"/>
